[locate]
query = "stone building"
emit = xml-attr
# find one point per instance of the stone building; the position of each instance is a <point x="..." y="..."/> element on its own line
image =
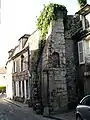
<point x="54" y="68"/>
<point x="61" y="75"/>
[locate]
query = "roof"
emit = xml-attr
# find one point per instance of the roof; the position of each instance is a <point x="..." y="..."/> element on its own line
<point x="12" y="50"/>
<point x="2" y="70"/>
<point x="20" y="52"/>
<point x="84" y="11"/>
<point x="12" y="56"/>
<point x="24" y="36"/>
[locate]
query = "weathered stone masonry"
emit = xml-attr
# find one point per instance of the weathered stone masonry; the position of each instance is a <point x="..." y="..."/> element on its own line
<point x="56" y="67"/>
<point x="70" y="60"/>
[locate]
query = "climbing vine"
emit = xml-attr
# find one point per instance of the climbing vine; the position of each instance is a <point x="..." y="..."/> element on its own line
<point x="46" y="16"/>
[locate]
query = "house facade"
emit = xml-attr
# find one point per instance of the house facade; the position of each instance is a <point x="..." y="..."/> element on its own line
<point x="9" y="68"/>
<point x="81" y="37"/>
<point x="20" y="73"/>
<point x="17" y="71"/>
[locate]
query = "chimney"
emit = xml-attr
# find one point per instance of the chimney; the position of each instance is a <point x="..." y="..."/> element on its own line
<point x="10" y="52"/>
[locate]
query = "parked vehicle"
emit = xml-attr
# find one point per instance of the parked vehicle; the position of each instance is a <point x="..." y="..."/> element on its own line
<point x="83" y="109"/>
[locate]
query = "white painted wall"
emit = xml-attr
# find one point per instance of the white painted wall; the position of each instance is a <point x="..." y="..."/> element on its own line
<point x="3" y="80"/>
<point x="9" y="86"/>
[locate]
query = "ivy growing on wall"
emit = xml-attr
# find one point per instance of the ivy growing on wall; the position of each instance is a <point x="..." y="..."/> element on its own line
<point x="47" y="15"/>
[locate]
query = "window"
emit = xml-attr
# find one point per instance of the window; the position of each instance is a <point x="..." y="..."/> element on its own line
<point x="20" y="88"/>
<point x="86" y="101"/>
<point x="22" y="60"/>
<point x="14" y="88"/>
<point x="25" y="66"/>
<point x="14" y="66"/>
<point x="81" y="52"/>
<point x="27" y="88"/>
<point x="87" y="20"/>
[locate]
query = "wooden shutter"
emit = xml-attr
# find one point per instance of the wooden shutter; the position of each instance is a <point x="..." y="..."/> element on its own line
<point x="81" y="52"/>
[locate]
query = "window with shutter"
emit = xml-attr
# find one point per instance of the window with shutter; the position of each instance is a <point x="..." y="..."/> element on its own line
<point x="24" y="63"/>
<point x="87" y="20"/>
<point x="22" y="60"/>
<point x="14" y="66"/>
<point x="87" y="51"/>
<point x="81" y="52"/>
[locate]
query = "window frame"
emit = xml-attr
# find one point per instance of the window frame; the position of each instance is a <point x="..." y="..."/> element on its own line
<point x="82" y="41"/>
<point x="83" y="102"/>
<point x="14" y="66"/>
<point x="22" y="62"/>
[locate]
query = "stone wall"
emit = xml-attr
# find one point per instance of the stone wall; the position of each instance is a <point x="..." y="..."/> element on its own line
<point x="71" y="69"/>
<point x="70" y="62"/>
<point x="54" y="67"/>
<point x="33" y="49"/>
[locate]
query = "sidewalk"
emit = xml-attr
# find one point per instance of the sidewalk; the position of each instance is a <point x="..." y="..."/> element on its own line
<point x="65" y="116"/>
<point x="18" y="104"/>
<point x="27" y="111"/>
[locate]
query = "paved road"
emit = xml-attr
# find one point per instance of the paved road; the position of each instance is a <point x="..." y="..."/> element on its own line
<point x="9" y="111"/>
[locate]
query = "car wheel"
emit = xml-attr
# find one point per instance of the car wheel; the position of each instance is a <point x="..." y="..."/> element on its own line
<point x="79" y="118"/>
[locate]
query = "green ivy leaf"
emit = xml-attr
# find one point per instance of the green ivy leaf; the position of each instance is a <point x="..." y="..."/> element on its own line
<point x="47" y="15"/>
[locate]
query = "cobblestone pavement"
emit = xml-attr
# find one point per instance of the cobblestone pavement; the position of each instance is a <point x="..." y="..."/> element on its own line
<point x="10" y="111"/>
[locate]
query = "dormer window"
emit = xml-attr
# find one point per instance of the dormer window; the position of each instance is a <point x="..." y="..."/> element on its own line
<point x="85" y="16"/>
<point x="23" y="40"/>
<point x="10" y="52"/>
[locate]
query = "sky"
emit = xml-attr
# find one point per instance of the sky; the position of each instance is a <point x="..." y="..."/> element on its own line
<point x="18" y="17"/>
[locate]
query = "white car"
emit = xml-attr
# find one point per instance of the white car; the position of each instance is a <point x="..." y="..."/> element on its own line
<point x="83" y="109"/>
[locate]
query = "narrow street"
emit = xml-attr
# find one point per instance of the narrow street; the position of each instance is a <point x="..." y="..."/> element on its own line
<point x="9" y="111"/>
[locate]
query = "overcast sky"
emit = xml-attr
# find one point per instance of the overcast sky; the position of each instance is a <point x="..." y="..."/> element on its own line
<point x="18" y="17"/>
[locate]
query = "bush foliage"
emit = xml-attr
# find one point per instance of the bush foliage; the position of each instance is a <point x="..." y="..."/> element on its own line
<point x="2" y="88"/>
